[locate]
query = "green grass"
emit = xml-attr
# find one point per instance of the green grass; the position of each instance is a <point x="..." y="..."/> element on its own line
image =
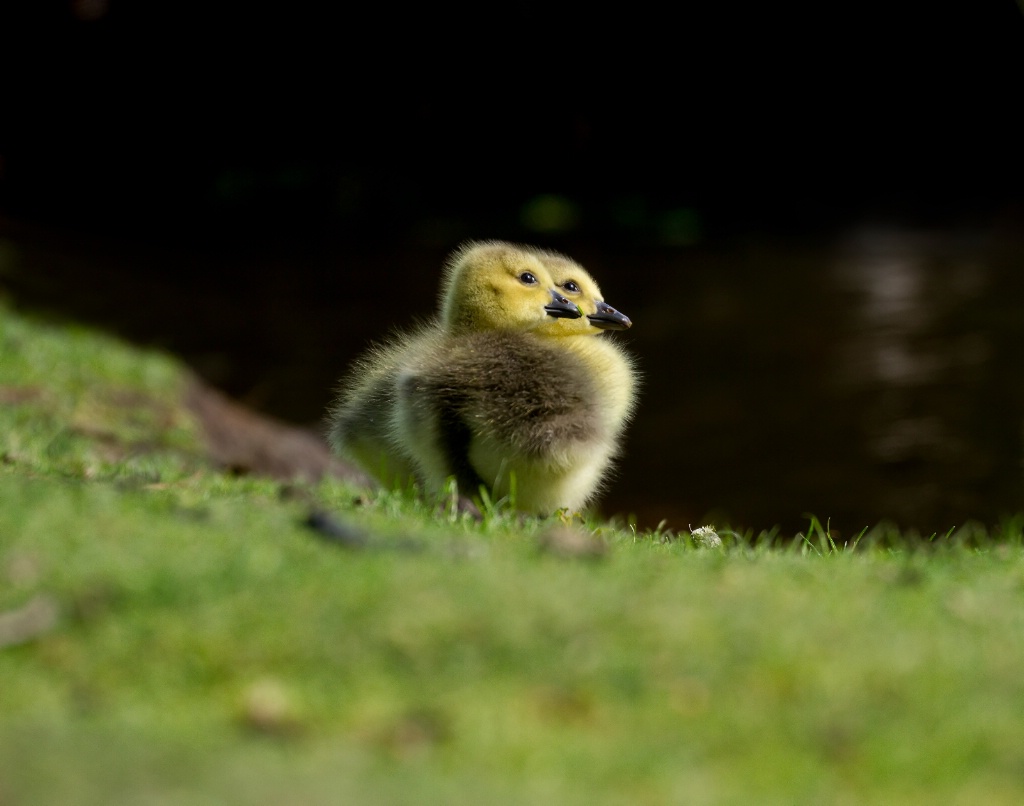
<point x="210" y="648"/>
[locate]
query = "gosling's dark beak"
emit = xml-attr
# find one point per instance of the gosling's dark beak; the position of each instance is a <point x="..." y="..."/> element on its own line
<point x="561" y="308"/>
<point x="607" y="318"/>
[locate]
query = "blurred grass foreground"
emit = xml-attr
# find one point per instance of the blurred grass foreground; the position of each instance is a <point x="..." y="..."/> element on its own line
<point x="175" y="631"/>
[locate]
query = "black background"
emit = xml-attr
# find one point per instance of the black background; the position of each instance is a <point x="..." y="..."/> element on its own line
<point x="263" y="190"/>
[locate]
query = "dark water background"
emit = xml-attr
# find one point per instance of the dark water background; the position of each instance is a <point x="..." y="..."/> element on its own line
<point x="877" y="374"/>
<point x="816" y="221"/>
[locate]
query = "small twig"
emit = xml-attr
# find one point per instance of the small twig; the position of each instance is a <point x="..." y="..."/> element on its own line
<point x="334" y="531"/>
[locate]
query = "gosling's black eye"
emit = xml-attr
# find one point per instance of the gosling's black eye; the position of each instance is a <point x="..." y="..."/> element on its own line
<point x="528" y="278"/>
<point x="571" y="287"/>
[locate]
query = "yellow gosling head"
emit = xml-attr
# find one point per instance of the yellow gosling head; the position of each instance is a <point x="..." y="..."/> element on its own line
<point x="494" y="285"/>
<point x="579" y="287"/>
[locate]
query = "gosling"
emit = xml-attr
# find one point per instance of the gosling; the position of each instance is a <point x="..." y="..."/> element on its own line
<point x="510" y="389"/>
